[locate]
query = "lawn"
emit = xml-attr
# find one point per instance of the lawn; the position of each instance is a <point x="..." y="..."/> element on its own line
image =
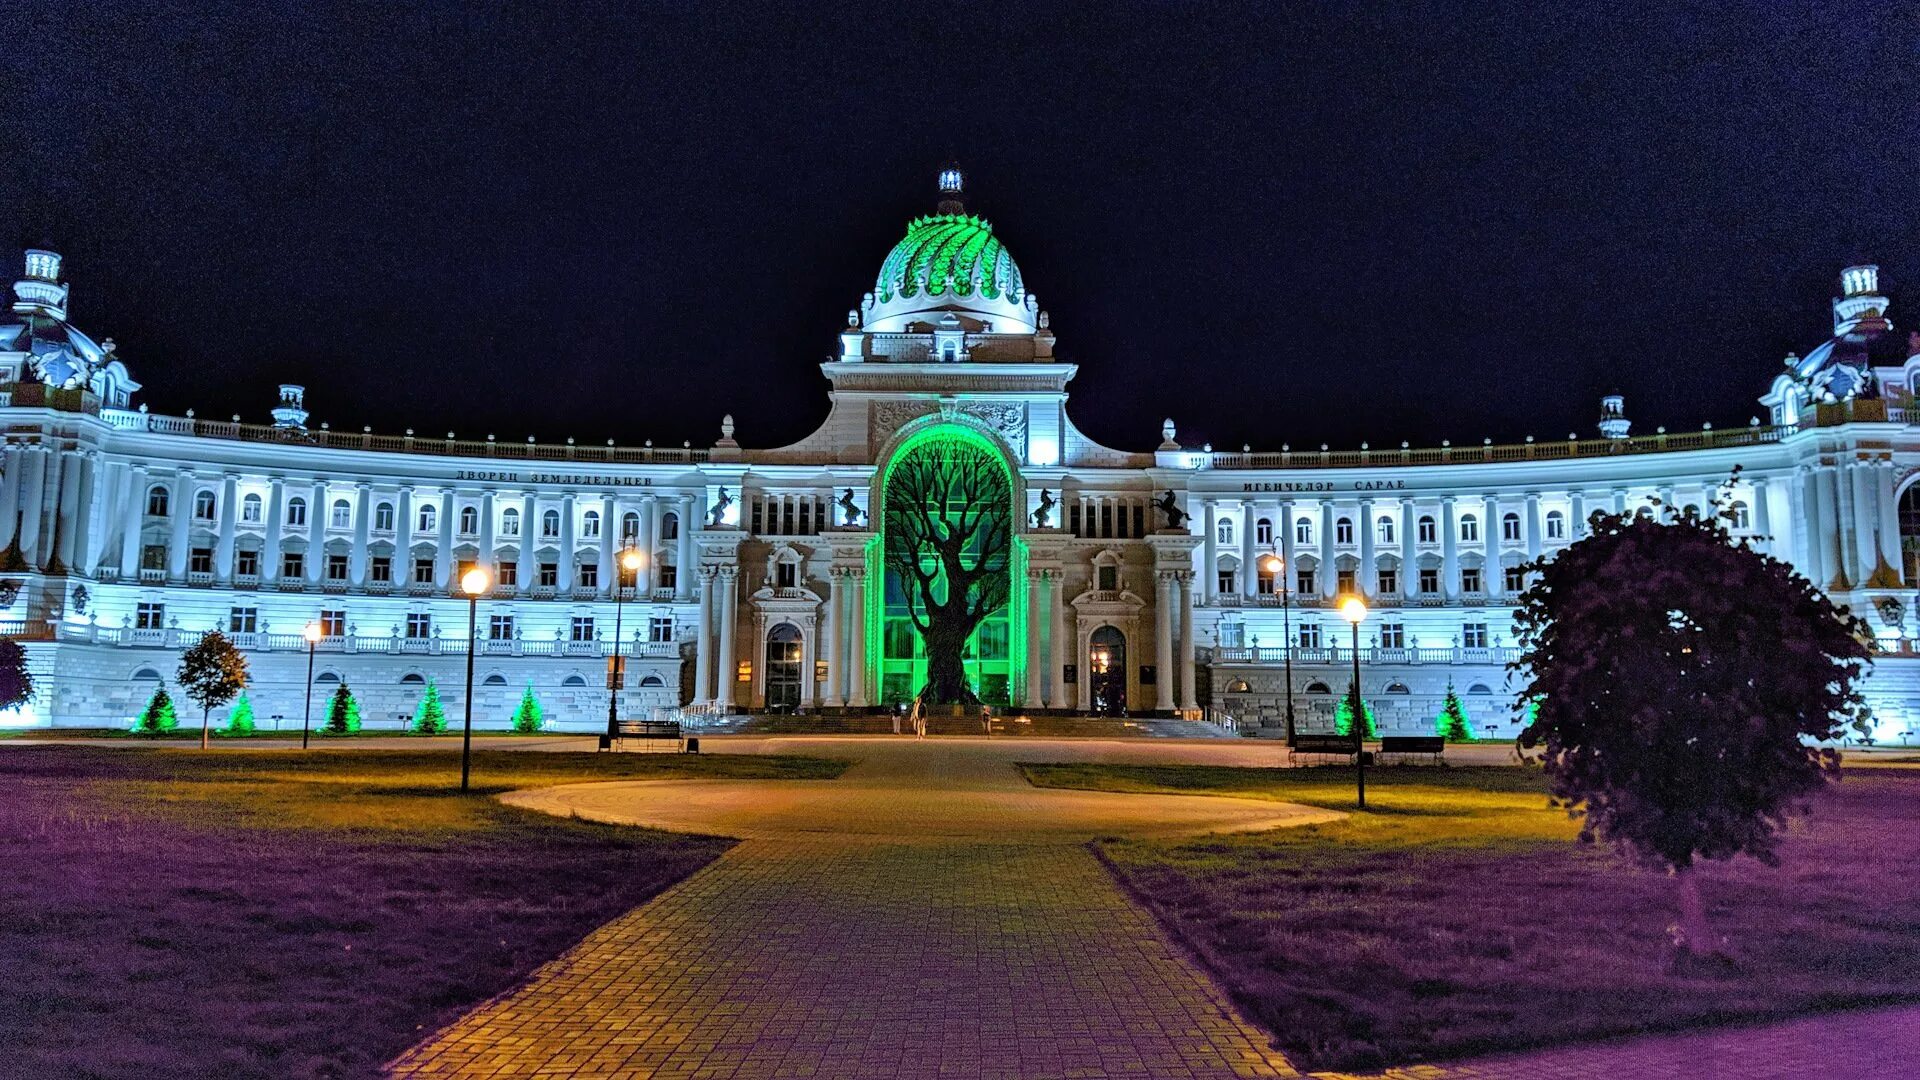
<point x="1457" y="917"/>
<point x="268" y="913"/>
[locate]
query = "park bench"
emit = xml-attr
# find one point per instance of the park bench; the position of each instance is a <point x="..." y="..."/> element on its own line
<point x="1323" y="746"/>
<point x="652" y="731"/>
<point x="1431" y="746"/>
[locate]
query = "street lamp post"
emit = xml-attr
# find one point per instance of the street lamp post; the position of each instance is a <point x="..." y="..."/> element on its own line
<point x="473" y="583"/>
<point x="312" y="634"/>
<point x="629" y="562"/>
<point x="1278" y="567"/>
<point x="1354" y="610"/>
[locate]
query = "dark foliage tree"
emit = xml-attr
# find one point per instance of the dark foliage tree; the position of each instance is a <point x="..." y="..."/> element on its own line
<point x="949" y="539"/>
<point x="16" y="682"/>
<point x="1680" y="679"/>
<point x="211" y="673"/>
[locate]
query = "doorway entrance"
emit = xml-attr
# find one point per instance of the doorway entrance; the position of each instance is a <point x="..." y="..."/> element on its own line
<point x="1107" y="667"/>
<point x="783" y="668"/>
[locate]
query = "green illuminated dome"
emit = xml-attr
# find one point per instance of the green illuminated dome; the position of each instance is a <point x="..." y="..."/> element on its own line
<point x="950" y="263"/>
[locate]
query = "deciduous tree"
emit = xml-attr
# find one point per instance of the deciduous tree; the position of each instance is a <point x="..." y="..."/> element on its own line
<point x="16" y="682"/>
<point x="211" y="673"/>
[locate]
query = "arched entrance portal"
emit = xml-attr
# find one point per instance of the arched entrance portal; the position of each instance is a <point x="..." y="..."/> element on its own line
<point x="783" y="668"/>
<point x="1107" y="666"/>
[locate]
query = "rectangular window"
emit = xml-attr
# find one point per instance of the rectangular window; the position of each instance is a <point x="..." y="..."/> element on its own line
<point x="1306" y="583"/>
<point x="1073" y="519"/>
<point x="1393" y="635"/>
<point x="1106" y="519"/>
<point x="293" y="565"/>
<point x="499" y="628"/>
<point x="1263" y="533"/>
<point x="1139" y="520"/>
<point x="668" y="577"/>
<point x="1226" y="583"/>
<point x="1309" y="635"/>
<point x="508" y="573"/>
<point x="1389" y="582"/>
<point x="1346" y="582"/>
<point x="380" y="568"/>
<point x="150" y="617"/>
<point x="333" y="623"/>
<point x="759" y="517"/>
<point x="1109" y="578"/>
<point x="423" y="571"/>
<point x="1429" y="581"/>
<point x="786" y="575"/>
<point x="246" y="563"/>
<point x="1510" y="528"/>
<point x="1473" y="635"/>
<point x="153" y="557"/>
<point x="1516" y="579"/>
<point x="1343" y="531"/>
<point x="582" y="628"/>
<point x="1470" y="579"/>
<point x="549" y="575"/>
<point x="588" y="576"/>
<point x="200" y="561"/>
<point x="419" y="625"/>
<point x="660" y="628"/>
<point x="243" y="620"/>
<point x="336" y="567"/>
<point x="806" y="517"/>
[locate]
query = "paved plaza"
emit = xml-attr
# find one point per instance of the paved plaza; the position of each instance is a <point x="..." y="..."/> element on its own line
<point x="930" y="914"/>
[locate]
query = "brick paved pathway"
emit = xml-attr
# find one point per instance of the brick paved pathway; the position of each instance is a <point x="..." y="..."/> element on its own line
<point x="927" y="915"/>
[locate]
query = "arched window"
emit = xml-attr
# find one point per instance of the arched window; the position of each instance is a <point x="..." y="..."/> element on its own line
<point x="429" y="519"/>
<point x="1556" y="525"/>
<point x="1238" y="686"/>
<point x="250" y="510"/>
<point x="469" y="521"/>
<point x="1223" y="531"/>
<point x="495" y="679"/>
<point x="1385" y="530"/>
<point x="1343" y="531"/>
<point x="412" y="678"/>
<point x="630" y="527"/>
<point x="146" y="673"/>
<point x="550" y="525"/>
<point x="203" y="506"/>
<point x="1742" y="516"/>
<point x="652" y="680"/>
<point x="1398" y="688"/>
<point x="1510" y="527"/>
<point x="296" y="511"/>
<point x="1429" y="533"/>
<point x="669" y="526"/>
<point x="341" y="516"/>
<point x="509" y="522"/>
<point x="1479" y="688"/>
<point x="327" y="677"/>
<point x="157" y="501"/>
<point x="1263" y="532"/>
<point x="1303" y="532"/>
<point x="573" y="680"/>
<point x="1318" y="688"/>
<point x="590" y="525"/>
<point x="383" y="517"/>
<point x="1469" y="528"/>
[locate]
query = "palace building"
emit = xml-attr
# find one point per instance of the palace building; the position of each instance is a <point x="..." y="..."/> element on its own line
<point x="1173" y="581"/>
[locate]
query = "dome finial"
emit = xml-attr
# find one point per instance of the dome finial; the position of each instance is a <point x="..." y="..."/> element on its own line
<point x="952" y="189"/>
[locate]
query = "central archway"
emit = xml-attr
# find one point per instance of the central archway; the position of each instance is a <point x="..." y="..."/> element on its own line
<point x="783" y="668"/>
<point x="948" y="621"/>
<point x="1107" y="667"/>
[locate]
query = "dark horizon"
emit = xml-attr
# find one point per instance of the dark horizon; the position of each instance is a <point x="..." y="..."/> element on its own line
<point x="1273" y="227"/>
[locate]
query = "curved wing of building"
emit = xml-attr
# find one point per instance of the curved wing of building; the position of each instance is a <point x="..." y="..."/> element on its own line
<point x="1174" y="581"/>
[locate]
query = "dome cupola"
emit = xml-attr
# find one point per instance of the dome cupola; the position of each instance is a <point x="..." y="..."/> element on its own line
<point x="949" y="263"/>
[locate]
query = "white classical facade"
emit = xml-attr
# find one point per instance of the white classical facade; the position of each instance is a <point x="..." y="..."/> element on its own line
<point x="129" y="534"/>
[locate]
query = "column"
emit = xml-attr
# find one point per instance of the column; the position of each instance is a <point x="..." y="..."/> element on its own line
<point x="1533" y="525"/>
<point x="1577" y="526"/>
<point x="1329" y="576"/>
<point x="1409" y="550"/>
<point x="443" y="550"/>
<point x="67" y="513"/>
<point x="223" y="544"/>
<point x="1807" y="525"/>
<point x="1036" y="654"/>
<point x="1866" y="516"/>
<point x="91" y="526"/>
<point x="1827" y="538"/>
<point x="1249" y="571"/>
<point x="836" y="599"/>
<point x="276" y="521"/>
<point x="1056" y="641"/>
<point x="857" y="642"/>
<point x="135" y="514"/>
<point x="1763" y="518"/>
<point x="1165" y="675"/>
<point x="10" y="494"/>
<point x="403" y="538"/>
<point x="683" y="588"/>
<point x="1449" y="550"/>
<point x="567" y="556"/>
<point x="527" y="571"/>
<point x="49" y="505"/>
<point x="362" y="522"/>
<point x="487" y="541"/>
<point x="703" y="645"/>
<point x="1492" y="577"/>
<point x="1368" y="580"/>
<point x="729" y="601"/>
<point x="609" y="567"/>
<point x="316" y="531"/>
<point x="1286" y="546"/>
<point x="180" y="539"/>
<point x="643" y="581"/>
<point x="1187" y="699"/>
<point x="1889" y="517"/>
<point x="1845" y="523"/>
<point x="1210" y="547"/>
<point x="33" y="462"/>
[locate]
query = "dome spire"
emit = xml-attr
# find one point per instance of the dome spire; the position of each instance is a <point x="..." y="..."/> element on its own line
<point x="952" y="190"/>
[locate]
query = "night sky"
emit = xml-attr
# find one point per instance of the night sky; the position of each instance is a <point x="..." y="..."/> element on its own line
<point x="1273" y="224"/>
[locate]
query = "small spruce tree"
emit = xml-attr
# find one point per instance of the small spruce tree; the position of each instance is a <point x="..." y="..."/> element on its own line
<point x="1343" y="714"/>
<point x="343" y="713"/>
<point x="158" y="716"/>
<point x="527" y="718"/>
<point x="1452" y="724"/>
<point x="240" y="720"/>
<point x="428" y="717"/>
